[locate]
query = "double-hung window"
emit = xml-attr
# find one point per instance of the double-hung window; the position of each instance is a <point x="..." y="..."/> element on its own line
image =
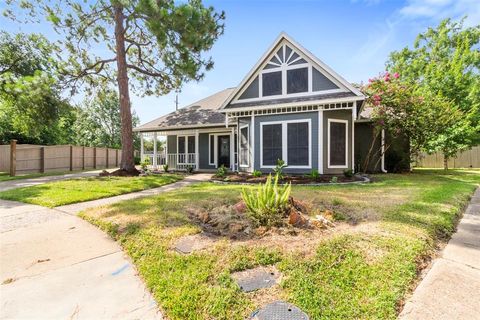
<point x="337" y="143"/>
<point x="287" y="140"/>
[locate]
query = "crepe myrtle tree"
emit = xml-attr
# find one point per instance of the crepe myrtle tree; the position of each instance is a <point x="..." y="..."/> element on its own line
<point x="148" y="46"/>
<point x="403" y="109"/>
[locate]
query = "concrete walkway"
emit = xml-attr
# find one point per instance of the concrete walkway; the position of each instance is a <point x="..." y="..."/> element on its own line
<point x="54" y="265"/>
<point x="19" y="183"/>
<point x="451" y="288"/>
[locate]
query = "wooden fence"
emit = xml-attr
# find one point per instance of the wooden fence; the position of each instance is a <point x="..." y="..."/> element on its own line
<point x="466" y="159"/>
<point x="24" y="158"/>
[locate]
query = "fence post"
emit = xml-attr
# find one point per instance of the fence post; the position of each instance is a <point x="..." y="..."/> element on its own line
<point x="106" y="157"/>
<point x="71" y="158"/>
<point x="42" y="159"/>
<point x="94" y="157"/>
<point x="116" y="158"/>
<point x="83" y="158"/>
<point x="13" y="157"/>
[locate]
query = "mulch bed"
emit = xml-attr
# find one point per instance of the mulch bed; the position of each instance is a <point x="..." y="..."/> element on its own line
<point x="293" y="179"/>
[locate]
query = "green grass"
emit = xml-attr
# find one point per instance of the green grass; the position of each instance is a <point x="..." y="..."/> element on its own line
<point x="59" y="193"/>
<point x="363" y="271"/>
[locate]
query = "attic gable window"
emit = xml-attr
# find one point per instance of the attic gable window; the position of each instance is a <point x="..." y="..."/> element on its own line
<point x="286" y="73"/>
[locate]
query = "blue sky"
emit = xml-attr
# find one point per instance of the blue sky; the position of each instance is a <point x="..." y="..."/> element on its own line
<point x="352" y="37"/>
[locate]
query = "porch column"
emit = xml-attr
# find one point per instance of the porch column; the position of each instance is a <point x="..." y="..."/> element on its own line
<point x="354" y="117"/>
<point x="232" y="150"/>
<point x="141" y="146"/>
<point x="320" y="141"/>
<point x="155" y="150"/>
<point x="197" y="155"/>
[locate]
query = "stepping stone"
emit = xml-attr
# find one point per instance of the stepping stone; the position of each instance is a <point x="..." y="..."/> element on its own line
<point x="258" y="278"/>
<point x="279" y="310"/>
<point x="196" y="242"/>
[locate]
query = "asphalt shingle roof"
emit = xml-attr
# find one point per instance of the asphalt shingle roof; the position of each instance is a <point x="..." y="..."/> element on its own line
<point x="200" y="113"/>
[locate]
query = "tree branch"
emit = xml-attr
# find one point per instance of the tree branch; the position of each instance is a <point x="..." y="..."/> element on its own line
<point x="146" y="72"/>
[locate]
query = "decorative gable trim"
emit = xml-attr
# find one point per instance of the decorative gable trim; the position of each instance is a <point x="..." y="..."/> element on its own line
<point x="283" y="61"/>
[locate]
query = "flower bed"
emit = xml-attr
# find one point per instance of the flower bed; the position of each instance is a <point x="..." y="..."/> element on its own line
<point x="246" y="178"/>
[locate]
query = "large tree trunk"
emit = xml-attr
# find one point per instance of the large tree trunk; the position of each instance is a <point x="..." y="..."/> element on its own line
<point x="127" y="162"/>
<point x="445" y="162"/>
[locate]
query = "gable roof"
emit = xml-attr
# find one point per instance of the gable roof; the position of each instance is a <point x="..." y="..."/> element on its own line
<point x="350" y="90"/>
<point x="202" y="113"/>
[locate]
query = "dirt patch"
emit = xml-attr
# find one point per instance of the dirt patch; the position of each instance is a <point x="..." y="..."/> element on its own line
<point x="120" y="173"/>
<point x="191" y="243"/>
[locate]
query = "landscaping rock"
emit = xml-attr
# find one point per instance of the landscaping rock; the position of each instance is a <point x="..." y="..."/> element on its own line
<point x="279" y="310"/>
<point x="257" y="278"/>
<point x="240" y="207"/>
<point x="298" y="205"/>
<point x="296" y="218"/>
<point x="321" y="222"/>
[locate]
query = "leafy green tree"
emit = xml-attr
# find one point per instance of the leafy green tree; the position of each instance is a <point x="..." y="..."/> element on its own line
<point x="404" y="109"/>
<point x="445" y="61"/>
<point x="31" y="108"/>
<point x="155" y="46"/>
<point x="98" y="122"/>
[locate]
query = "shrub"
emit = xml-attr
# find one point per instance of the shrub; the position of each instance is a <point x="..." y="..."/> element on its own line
<point x="145" y="163"/>
<point x="314" y="174"/>
<point x="267" y="205"/>
<point x="221" y="172"/>
<point x="189" y="169"/>
<point x="334" y="180"/>
<point x="348" y="173"/>
<point x="257" y="173"/>
<point x="136" y="160"/>
<point x="278" y="170"/>
<point x="165" y="167"/>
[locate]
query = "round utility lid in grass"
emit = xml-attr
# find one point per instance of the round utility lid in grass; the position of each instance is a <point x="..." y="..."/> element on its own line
<point x="257" y="278"/>
<point x="279" y="310"/>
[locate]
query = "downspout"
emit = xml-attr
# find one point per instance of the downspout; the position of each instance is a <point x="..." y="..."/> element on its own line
<point x="383" y="152"/>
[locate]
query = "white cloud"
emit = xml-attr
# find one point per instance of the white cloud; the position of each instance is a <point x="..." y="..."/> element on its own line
<point x="441" y="9"/>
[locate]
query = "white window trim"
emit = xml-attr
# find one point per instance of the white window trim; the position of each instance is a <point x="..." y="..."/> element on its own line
<point x="239" y="150"/>
<point x="346" y="144"/>
<point x="212" y="162"/>
<point x="285" y="142"/>
<point x="215" y="145"/>
<point x="187" y="151"/>
<point x="283" y="68"/>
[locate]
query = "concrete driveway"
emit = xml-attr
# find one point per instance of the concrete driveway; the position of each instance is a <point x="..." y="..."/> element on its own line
<point x="57" y="266"/>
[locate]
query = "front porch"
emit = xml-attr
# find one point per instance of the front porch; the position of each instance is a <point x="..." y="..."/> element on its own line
<point x="199" y="149"/>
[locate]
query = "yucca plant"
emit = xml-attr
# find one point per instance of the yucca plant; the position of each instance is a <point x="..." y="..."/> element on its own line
<point x="267" y="204"/>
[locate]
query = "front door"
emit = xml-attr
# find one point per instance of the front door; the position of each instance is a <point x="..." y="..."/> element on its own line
<point x="224" y="151"/>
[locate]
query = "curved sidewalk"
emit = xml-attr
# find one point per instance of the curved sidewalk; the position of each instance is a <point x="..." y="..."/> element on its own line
<point x="20" y="183"/>
<point x="54" y="265"/>
<point x="451" y="288"/>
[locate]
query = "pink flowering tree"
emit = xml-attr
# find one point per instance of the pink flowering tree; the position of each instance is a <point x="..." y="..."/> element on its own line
<point x="402" y="109"/>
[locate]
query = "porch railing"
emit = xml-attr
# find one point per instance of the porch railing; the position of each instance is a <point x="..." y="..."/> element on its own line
<point x="175" y="161"/>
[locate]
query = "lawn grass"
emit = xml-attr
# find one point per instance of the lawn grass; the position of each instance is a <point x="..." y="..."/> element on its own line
<point x="362" y="271"/>
<point x="64" y="192"/>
